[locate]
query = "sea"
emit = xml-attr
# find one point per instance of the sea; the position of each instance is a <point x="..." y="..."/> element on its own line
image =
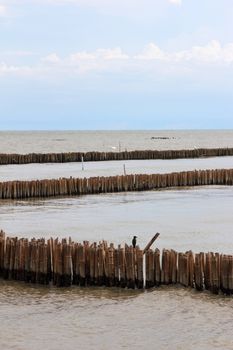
<point x="200" y="219"/>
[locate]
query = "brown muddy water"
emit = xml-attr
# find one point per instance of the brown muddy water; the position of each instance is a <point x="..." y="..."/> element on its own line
<point x="99" y="318"/>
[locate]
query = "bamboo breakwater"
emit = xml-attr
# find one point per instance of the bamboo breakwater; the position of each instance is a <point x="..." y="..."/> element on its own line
<point x="65" y="263"/>
<point x="94" y="185"/>
<point x="105" y="156"/>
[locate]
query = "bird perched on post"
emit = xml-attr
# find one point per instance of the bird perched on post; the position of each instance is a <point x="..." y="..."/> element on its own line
<point x="134" y="241"/>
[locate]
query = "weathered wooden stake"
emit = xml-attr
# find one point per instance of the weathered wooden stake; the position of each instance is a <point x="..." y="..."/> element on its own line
<point x="151" y="242"/>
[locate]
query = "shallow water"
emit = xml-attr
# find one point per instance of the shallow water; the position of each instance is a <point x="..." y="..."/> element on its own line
<point x="100" y="318"/>
<point x="196" y="218"/>
<point x="52" y="170"/>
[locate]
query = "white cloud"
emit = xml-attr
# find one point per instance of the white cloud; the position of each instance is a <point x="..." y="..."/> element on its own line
<point x="175" y="2"/>
<point x="212" y="52"/>
<point x="111" y="54"/>
<point x="3" y="11"/>
<point x="116" y="60"/>
<point x="151" y="52"/>
<point x="6" y="69"/>
<point x="100" y="59"/>
<point x="105" y="54"/>
<point x="81" y="56"/>
<point x="52" y="58"/>
<point x="97" y="57"/>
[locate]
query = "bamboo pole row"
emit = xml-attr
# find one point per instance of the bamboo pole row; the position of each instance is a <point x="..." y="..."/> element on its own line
<point x="65" y="263"/>
<point x="94" y="185"/>
<point x="105" y="156"/>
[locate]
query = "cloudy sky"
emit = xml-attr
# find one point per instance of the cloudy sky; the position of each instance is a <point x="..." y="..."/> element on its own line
<point x="116" y="64"/>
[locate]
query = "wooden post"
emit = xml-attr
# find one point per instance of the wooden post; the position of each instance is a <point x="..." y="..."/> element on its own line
<point x="215" y="270"/>
<point x="50" y="262"/>
<point x="198" y="272"/>
<point x="165" y="276"/>
<point x="224" y="274"/>
<point x="96" y="263"/>
<point x="92" y="264"/>
<point x="122" y="260"/>
<point x="101" y="259"/>
<point x="2" y="252"/>
<point x="14" y="259"/>
<point x="207" y="271"/>
<point x="59" y="269"/>
<point x="139" y="268"/>
<point x="76" y="264"/>
<point x="87" y="261"/>
<point x="67" y="265"/>
<point x="230" y="275"/>
<point x="157" y="267"/>
<point x="82" y="265"/>
<point x="191" y="268"/>
<point x="27" y="261"/>
<point x="186" y="270"/>
<point x="173" y="266"/>
<point x="117" y="266"/>
<point x="130" y="267"/>
<point x="111" y="266"/>
<point x="150" y="272"/>
<point x="151" y="242"/>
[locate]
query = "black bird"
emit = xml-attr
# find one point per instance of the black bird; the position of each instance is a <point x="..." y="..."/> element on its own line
<point x="134" y="241"/>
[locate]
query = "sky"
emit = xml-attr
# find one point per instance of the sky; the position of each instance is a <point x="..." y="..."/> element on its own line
<point x="116" y="64"/>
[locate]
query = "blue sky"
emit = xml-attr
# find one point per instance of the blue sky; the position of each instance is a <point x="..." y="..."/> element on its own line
<point x="103" y="64"/>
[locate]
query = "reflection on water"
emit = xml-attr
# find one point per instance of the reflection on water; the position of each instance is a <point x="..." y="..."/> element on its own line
<point x="13" y="292"/>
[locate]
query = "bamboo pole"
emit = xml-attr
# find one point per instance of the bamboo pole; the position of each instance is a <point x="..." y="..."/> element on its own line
<point x="199" y="272"/>
<point x="151" y="242"/>
<point x="157" y="267"/>
<point x="150" y="266"/>
<point x="139" y="268"/>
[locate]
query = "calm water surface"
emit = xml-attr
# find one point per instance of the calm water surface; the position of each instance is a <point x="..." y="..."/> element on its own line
<point x="68" y="141"/>
<point x="200" y="218"/>
<point x="165" y="318"/>
<point x="51" y="170"/>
